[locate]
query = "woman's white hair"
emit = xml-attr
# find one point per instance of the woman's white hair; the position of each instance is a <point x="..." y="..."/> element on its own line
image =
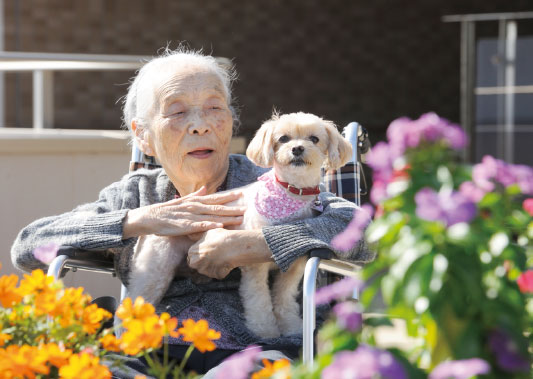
<point x="139" y="103"/>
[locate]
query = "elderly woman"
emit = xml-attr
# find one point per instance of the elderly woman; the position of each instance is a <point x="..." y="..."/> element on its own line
<point x="179" y="110"/>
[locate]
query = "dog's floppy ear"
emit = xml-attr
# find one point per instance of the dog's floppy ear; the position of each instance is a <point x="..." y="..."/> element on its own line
<point x="261" y="149"/>
<point x="339" y="149"/>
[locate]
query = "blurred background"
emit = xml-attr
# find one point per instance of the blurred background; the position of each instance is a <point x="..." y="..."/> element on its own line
<point x="364" y="61"/>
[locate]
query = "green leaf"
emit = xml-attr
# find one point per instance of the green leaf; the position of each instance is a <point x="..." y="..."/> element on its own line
<point x="490" y="199"/>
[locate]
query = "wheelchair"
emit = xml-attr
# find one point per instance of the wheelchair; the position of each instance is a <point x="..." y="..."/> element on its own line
<point x="348" y="182"/>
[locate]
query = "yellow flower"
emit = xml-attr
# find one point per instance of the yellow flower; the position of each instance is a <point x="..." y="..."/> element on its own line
<point x="22" y="362"/>
<point x="93" y="317"/>
<point x="199" y="334"/>
<point x="280" y="367"/>
<point x="8" y="292"/>
<point x="138" y="310"/>
<point x="84" y="366"/>
<point x="54" y="354"/>
<point x="110" y="343"/>
<point x="35" y="283"/>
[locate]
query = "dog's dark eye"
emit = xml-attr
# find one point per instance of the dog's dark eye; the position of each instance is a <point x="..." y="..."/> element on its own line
<point x="284" y="139"/>
<point x="314" y="139"/>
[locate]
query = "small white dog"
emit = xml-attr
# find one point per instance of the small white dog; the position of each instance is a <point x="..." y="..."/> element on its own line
<point x="296" y="145"/>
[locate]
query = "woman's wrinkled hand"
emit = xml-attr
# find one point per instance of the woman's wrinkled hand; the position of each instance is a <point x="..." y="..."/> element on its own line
<point x="189" y="214"/>
<point x="218" y="251"/>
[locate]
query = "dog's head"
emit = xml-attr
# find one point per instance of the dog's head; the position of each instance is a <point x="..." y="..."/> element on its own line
<point x="297" y="145"/>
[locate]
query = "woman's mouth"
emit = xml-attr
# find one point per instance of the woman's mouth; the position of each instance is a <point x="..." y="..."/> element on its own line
<point x="201" y="153"/>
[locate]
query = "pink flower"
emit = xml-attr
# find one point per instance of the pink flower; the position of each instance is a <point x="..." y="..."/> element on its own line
<point x="46" y="253"/>
<point x="525" y="281"/>
<point x="462" y="369"/>
<point x="355" y="229"/>
<point x="338" y="290"/>
<point x="364" y="363"/>
<point x="349" y="315"/>
<point x="471" y="191"/>
<point x="239" y="365"/>
<point x="528" y="206"/>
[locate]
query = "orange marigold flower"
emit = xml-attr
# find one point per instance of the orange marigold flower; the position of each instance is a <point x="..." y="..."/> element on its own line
<point x="142" y="334"/>
<point x="22" y="362"/>
<point x="4" y="337"/>
<point x="56" y="355"/>
<point x="8" y="292"/>
<point x="281" y="368"/>
<point x="35" y="283"/>
<point x="139" y="377"/>
<point x="93" y="317"/>
<point x="138" y="310"/>
<point x="170" y="325"/>
<point x="110" y="343"/>
<point x="84" y="366"/>
<point x="44" y="303"/>
<point x="70" y="306"/>
<point x="199" y="334"/>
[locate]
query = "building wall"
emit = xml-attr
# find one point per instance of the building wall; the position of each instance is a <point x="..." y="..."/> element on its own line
<point x="344" y="60"/>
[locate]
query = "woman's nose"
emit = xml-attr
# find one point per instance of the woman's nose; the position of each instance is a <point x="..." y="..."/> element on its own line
<point x="197" y="125"/>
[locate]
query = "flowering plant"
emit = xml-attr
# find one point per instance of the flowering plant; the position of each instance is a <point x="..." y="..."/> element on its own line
<point x="455" y="250"/>
<point x="48" y="331"/>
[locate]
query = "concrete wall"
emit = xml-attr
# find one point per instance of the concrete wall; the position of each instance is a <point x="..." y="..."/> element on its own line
<point x="50" y="172"/>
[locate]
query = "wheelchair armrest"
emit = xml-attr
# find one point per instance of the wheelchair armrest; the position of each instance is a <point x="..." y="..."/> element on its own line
<point x="321" y="253"/>
<point x="69" y="257"/>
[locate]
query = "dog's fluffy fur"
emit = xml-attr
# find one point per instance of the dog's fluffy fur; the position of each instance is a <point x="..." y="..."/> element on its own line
<point x="296" y="145"/>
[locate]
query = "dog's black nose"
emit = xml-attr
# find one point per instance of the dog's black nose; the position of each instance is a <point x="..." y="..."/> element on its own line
<point x="298" y="150"/>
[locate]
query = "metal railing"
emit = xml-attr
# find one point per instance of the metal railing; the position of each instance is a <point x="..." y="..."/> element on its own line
<point x="43" y="66"/>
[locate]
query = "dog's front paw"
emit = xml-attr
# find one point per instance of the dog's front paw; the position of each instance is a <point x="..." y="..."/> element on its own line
<point x="291" y="324"/>
<point x="264" y="330"/>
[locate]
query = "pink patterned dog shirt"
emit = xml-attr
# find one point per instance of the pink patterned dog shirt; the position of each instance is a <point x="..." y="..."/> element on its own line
<point x="273" y="202"/>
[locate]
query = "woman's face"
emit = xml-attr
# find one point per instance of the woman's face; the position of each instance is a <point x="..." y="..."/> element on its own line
<point x="191" y="129"/>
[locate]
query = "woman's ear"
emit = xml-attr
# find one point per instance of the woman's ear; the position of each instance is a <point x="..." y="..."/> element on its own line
<point x="141" y="138"/>
<point x="339" y="148"/>
<point x="261" y="150"/>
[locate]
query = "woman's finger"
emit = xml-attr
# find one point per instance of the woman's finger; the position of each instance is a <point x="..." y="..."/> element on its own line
<point x="218" y="198"/>
<point x="210" y="209"/>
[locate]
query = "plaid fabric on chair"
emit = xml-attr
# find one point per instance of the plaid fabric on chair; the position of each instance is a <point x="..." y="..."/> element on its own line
<point x="345" y="182"/>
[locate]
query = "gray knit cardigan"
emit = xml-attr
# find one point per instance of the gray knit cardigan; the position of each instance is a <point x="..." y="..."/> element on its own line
<point x="98" y="226"/>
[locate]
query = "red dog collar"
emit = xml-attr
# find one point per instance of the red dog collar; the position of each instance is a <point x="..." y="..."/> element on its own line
<point x="299" y="191"/>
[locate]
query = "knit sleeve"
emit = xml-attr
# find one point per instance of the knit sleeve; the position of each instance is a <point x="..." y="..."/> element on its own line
<point x="292" y="240"/>
<point x="96" y="225"/>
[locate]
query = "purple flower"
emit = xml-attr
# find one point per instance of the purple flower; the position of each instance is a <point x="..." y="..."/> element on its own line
<point x="492" y="170"/>
<point x="381" y="158"/>
<point x="239" y="365"/>
<point x="364" y="363"/>
<point x="354" y="231"/>
<point x="378" y="193"/>
<point x="349" y="315"/>
<point x="449" y="207"/>
<point x="338" y="290"/>
<point x="507" y="353"/>
<point x="462" y="369"/>
<point x="46" y="253"/>
<point x="471" y="191"/>
<point x="405" y="133"/>
<point x="483" y="173"/>
<point x="523" y="176"/>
